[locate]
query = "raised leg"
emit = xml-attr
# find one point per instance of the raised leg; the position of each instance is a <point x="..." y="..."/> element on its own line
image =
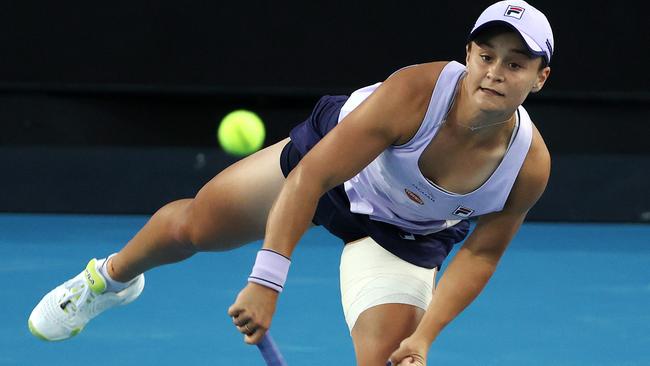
<point x="229" y="211"/>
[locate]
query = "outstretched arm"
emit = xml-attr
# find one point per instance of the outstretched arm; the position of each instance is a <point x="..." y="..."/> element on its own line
<point x="390" y="115"/>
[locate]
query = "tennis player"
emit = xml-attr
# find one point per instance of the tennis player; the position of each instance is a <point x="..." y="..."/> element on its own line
<point x="395" y="170"/>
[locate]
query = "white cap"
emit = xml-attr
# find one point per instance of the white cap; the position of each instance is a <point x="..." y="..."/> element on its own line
<point x="529" y="22"/>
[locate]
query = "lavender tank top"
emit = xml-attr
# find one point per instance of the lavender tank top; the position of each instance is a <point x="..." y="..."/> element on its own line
<point x="392" y="188"/>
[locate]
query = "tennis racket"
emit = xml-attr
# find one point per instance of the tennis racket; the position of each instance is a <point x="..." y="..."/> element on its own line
<point x="270" y="351"/>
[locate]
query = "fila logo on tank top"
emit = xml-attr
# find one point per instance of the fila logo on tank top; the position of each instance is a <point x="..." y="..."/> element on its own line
<point x="392" y="188"/>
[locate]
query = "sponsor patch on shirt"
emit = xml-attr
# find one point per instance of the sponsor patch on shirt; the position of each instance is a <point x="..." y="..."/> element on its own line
<point x="413" y="196"/>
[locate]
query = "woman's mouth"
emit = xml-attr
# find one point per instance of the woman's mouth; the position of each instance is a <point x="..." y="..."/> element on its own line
<point x="491" y="91"/>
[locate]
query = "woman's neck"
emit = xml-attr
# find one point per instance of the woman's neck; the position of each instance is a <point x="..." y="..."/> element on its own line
<point x="470" y="119"/>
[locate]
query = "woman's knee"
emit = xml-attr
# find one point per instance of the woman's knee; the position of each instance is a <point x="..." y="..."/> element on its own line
<point x="196" y="225"/>
<point x="209" y="230"/>
<point x="231" y="209"/>
<point x="192" y="229"/>
<point x="173" y="217"/>
<point x="179" y="220"/>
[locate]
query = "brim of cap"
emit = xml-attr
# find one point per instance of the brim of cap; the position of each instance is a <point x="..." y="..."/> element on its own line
<point x="532" y="46"/>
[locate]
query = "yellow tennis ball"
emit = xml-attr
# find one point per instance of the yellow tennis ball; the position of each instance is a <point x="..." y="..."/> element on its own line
<point x="241" y="132"/>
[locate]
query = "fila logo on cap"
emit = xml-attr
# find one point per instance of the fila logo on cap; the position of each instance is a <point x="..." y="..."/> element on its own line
<point x="463" y="211"/>
<point x="514" y="11"/>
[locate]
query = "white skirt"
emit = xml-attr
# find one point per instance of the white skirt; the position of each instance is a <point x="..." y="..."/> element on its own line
<point x="371" y="276"/>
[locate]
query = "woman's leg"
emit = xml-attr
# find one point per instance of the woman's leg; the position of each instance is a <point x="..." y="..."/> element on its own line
<point x="383" y="299"/>
<point x="380" y="329"/>
<point x="229" y="211"/>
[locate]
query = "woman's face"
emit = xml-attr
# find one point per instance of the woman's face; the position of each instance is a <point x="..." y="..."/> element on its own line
<point x="500" y="73"/>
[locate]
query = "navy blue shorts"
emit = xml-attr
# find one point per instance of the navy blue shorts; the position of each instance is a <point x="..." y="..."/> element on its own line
<point x="333" y="211"/>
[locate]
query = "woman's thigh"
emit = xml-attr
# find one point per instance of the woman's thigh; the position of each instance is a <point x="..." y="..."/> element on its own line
<point x="380" y="329"/>
<point x="232" y="208"/>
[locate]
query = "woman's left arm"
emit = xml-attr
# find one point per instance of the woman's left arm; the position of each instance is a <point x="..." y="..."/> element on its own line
<point x="476" y="261"/>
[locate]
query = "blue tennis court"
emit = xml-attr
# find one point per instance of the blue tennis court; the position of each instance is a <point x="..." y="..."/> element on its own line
<point x="565" y="294"/>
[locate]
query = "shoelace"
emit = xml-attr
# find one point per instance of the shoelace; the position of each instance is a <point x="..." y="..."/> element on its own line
<point x="78" y="293"/>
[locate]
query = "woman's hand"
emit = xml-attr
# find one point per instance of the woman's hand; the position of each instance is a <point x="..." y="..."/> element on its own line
<point x="253" y="310"/>
<point x="412" y="351"/>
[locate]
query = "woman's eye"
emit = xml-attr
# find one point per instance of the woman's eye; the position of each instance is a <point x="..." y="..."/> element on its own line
<point x="485" y="58"/>
<point x="515" y="66"/>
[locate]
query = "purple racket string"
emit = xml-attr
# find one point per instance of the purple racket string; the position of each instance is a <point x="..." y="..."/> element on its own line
<point x="270" y="352"/>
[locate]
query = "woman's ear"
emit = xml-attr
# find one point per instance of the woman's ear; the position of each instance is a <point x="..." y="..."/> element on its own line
<point x="542" y="76"/>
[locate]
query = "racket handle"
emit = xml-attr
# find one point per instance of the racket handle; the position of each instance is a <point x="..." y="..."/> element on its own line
<point x="270" y="352"/>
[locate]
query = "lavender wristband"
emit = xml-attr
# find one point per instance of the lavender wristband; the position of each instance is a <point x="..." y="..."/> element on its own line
<point x="270" y="269"/>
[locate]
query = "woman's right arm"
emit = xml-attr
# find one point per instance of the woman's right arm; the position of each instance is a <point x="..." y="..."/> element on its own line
<point x="391" y="115"/>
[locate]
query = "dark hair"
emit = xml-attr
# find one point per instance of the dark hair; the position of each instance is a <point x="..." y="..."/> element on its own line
<point x="490" y="31"/>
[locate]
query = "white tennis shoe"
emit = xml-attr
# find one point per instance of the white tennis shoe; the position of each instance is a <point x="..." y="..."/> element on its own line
<point x="66" y="310"/>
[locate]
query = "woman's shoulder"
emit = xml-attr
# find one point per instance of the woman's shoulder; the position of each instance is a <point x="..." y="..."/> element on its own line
<point x="416" y="81"/>
<point x="420" y="73"/>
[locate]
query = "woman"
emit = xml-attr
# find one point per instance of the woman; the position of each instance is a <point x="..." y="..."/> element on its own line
<point x="395" y="171"/>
